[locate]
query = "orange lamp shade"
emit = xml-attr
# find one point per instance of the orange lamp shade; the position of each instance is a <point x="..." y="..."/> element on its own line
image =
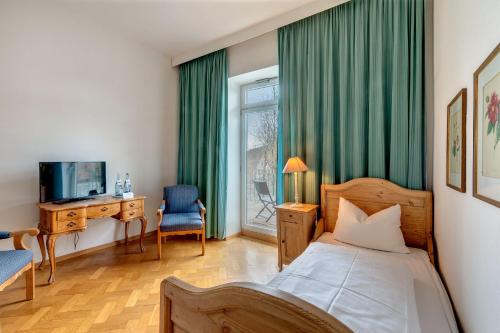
<point x="295" y="164"/>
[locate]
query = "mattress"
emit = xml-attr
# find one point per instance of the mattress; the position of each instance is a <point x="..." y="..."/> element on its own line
<point x="370" y="290"/>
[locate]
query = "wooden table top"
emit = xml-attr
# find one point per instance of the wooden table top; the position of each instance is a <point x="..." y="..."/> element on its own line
<point x="303" y="207"/>
<point x="97" y="201"/>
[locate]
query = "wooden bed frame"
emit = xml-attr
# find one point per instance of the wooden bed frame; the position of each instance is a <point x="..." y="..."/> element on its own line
<point x="251" y="307"/>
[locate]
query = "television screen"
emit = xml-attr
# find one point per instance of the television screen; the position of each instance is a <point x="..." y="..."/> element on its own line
<point x="67" y="181"/>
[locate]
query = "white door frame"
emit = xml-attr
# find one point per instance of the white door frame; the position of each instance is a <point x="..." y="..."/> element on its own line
<point x="244" y="110"/>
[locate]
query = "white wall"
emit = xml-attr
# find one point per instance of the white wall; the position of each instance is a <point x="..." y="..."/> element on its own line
<point x="467" y="230"/>
<point x="71" y="89"/>
<point x="233" y="211"/>
<point x="253" y="54"/>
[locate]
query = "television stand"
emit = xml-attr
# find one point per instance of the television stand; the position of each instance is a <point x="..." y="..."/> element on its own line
<point x="65" y="218"/>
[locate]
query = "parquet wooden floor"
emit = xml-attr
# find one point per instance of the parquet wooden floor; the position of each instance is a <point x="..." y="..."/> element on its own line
<point x="118" y="289"/>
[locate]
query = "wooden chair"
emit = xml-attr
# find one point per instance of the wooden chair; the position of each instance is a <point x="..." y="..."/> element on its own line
<point x="13" y="263"/>
<point x="181" y="213"/>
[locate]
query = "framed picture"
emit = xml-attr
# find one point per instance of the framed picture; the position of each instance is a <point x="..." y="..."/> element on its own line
<point x="487" y="129"/>
<point x="455" y="142"/>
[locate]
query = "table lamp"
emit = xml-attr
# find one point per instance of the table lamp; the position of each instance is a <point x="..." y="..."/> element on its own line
<point x="295" y="165"/>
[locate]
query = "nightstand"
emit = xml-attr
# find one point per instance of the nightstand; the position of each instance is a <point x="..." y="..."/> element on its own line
<point x="295" y="226"/>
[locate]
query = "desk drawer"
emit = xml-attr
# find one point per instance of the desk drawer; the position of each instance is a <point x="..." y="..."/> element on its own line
<point x="132" y="204"/>
<point x="70" y="225"/>
<point x="108" y="210"/>
<point x="290" y="216"/>
<point x="131" y="214"/>
<point x="71" y="214"/>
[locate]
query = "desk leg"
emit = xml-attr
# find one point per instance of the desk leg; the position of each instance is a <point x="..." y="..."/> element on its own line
<point x="126" y="232"/>
<point x="41" y="244"/>
<point x="51" y="245"/>
<point x="144" y="223"/>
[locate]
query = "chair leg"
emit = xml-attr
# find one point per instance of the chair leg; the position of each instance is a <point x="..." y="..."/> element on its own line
<point x="203" y="241"/>
<point x="260" y="212"/>
<point x="268" y="209"/>
<point x="30" y="282"/>
<point x="158" y="244"/>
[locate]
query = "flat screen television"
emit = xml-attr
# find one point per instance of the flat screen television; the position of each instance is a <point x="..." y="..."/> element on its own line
<point x="62" y="182"/>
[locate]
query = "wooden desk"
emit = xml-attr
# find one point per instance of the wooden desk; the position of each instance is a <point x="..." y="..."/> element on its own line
<point x="56" y="220"/>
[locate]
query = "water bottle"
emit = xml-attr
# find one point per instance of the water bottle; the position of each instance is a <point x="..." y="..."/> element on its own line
<point x="118" y="186"/>
<point x="127" y="186"/>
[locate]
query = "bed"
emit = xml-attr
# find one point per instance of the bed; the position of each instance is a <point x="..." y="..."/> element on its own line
<point x="332" y="286"/>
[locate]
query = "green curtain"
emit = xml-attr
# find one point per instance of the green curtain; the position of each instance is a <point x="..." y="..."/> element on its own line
<point x="352" y="95"/>
<point x="203" y="135"/>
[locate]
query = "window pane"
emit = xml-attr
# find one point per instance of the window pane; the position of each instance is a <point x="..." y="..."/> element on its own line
<point x="261" y="94"/>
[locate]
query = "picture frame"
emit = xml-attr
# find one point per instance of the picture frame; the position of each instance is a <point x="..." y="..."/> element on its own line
<point x="456" y="142"/>
<point x="486" y="168"/>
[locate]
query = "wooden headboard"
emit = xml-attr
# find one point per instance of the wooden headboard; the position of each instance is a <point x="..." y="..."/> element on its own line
<point x="373" y="195"/>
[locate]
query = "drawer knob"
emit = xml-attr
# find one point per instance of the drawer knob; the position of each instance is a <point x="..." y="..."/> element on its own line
<point x="283" y="241"/>
<point x="131" y="204"/>
<point x="71" y="214"/>
<point x="131" y="213"/>
<point x="290" y="215"/>
<point x="103" y="209"/>
<point x="71" y="224"/>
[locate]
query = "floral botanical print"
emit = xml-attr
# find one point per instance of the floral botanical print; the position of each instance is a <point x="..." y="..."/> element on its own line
<point x="455" y="143"/>
<point x="487" y="129"/>
<point x="492" y="114"/>
<point x="455" y="148"/>
<point x="491" y="127"/>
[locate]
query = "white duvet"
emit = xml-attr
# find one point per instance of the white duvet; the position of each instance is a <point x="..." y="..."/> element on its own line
<point x="368" y="290"/>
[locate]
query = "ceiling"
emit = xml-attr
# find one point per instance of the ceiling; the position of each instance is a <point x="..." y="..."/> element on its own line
<point x="177" y="26"/>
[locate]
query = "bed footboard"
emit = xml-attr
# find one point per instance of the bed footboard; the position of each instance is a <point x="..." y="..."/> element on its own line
<point x="239" y="307"/>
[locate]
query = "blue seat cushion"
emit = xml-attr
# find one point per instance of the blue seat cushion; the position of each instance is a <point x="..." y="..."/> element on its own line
<point x="180" y="222"/>
<point x="181" y="199"/>
<point x="13" y="261"/>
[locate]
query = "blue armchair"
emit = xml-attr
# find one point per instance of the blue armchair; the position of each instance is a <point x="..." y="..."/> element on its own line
<point x="181" y="213"/>
<point x="14" y="263"/>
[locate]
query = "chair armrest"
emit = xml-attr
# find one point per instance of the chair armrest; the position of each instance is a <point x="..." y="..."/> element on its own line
<point x="18" y="237"/>
<point x="320" y="229"/>
<point x="159" y="212"/>
<point x="203" y="210"/>
<point x="5" y="234"/>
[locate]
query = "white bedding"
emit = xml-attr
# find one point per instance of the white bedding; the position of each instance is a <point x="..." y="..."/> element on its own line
<point x="369" y="290"/>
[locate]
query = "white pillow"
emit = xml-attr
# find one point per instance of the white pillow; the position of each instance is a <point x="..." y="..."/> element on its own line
<point x="380" y="231"/>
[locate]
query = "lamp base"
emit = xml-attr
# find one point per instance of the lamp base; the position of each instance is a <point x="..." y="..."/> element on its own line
<point x="296" y="204"/>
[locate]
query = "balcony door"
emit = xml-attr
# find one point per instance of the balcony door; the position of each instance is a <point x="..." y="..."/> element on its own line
<point x="259" y="108"/>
